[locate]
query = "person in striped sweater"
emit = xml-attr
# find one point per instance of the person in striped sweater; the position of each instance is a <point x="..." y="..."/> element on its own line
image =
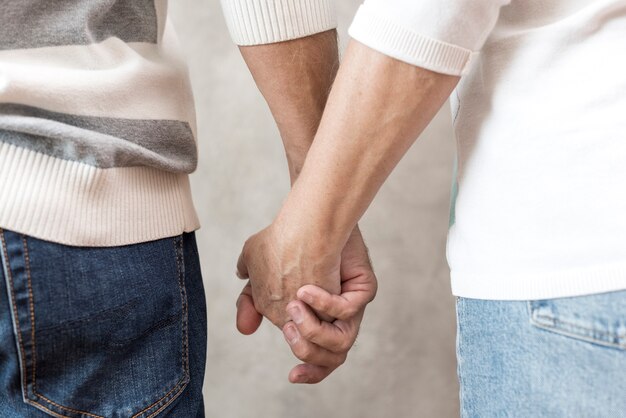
<point x="104" y="310"/>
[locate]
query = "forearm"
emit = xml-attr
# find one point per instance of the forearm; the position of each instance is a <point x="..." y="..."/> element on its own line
<point x="295" y="78"/>
<point x="377" y="108"/>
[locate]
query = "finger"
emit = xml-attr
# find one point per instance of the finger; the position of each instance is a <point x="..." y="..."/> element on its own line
<point x="325" y="317"/>
<point x="248" y="319"/>
<point x="308" y="351"/>
<point x="308" y="373"/>
<point x="242" y="265"/>
<point x="344" y="306"/>
<point x="337" y="337"/>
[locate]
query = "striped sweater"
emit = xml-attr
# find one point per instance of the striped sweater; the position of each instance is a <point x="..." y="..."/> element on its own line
<point x="97" y="130"/>
<point x="97" y="122"/>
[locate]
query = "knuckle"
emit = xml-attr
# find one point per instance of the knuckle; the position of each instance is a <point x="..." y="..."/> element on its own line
<point x="308" y="332"/>
<point x="304" y="352"/>
<point x="350" y="311"/>
<point x="317" y="378"/>
<point x="244" y="249"/>
<point x="345" y="345"/>
<point x="324" y="304"/>
<point x="374" y="292"/>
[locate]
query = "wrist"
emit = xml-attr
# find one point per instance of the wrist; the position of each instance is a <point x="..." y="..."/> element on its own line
<point x="317" y="235"/>
<point x="301" y="260"/>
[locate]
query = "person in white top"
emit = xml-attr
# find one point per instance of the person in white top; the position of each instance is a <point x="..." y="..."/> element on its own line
<point x="535" y="246"/>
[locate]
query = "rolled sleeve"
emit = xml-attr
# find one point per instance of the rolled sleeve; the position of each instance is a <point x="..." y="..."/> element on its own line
<point x="254" y="22"/>
<point x="441" y="36"/>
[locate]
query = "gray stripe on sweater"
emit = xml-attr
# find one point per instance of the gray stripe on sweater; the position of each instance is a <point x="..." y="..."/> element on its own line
<point x="39" y="23"/>
<point x="102" y="142"/>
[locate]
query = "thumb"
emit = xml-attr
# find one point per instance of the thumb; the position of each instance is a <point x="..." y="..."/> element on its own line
<point x="242" y="265"/>
<point x="248" y="319"/>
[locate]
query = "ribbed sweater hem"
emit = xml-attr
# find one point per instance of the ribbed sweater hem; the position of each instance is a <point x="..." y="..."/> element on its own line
<point x="77" y="204"/>
<point x="374" y="29"/>
<point x="267" y="21"/>
<point x="549" y="285"/>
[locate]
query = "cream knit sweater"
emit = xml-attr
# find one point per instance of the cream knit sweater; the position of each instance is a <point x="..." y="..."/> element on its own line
<point x="537" y="206"/>
<point x="97" y="129"/>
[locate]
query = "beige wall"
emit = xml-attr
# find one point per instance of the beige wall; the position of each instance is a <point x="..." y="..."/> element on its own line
<point x="403" y="364"/>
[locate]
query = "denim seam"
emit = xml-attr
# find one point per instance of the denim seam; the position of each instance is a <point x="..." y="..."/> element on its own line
<point x="16" y="318"/>
<point x="536" y="317"/>
<point x="166" y="399"/>
<point x="31" y="311"/>
<point x="580" y="327"/>
<point x="180" y="386"/>
<point x="579" y="337"/>
<point x="76" y="411"/>
<point x="46" y="410"/>
<point x="463" y="409"/>
<point x="34" y="342"/>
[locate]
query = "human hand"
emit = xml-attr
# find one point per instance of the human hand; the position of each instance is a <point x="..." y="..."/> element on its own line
<point x="277" y="267"/>
<point x="324" y="346"/>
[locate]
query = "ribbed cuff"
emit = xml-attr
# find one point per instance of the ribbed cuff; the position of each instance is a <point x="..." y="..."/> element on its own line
<point x="380" y="32"/>
<point x="254" y="22"/>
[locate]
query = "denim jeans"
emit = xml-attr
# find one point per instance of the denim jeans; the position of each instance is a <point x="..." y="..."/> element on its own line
<point x="101" y="332"/>
<point x="553" y="358"/>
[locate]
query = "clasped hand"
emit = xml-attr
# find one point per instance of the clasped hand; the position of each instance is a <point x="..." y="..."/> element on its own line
<point x="318" y="299"/>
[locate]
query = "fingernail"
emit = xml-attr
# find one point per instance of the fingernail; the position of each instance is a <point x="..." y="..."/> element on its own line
<point x="306" y="297"/>
<point x="296" y="314"/>
<point x="238" y="301"/>
<point x="291" y="334"/>
<point x="239" y="275"/>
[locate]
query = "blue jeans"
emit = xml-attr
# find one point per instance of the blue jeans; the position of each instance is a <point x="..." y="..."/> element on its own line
<point x="551" y="358"/>
<point x="101" y="332"/>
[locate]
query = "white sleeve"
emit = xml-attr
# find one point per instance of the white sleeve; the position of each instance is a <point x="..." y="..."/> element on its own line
<point x="439" y="35"/>
<point x="254" y="22"/>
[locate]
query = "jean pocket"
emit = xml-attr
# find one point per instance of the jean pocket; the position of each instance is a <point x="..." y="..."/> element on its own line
<point x="100" y="332"/>
<point x="598" y="319"/>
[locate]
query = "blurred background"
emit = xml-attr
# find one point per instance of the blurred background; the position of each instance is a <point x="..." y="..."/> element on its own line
<point x="403" y="364"/>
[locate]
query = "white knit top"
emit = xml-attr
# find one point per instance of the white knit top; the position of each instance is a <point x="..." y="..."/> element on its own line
<point x="537" y="206"/>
